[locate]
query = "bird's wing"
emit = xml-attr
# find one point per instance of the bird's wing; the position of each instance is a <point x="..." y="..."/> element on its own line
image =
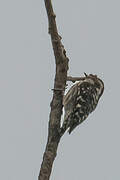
<point x="69" y="100"/>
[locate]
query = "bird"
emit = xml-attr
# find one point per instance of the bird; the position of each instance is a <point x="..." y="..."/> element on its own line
<point x="81" y="100"/>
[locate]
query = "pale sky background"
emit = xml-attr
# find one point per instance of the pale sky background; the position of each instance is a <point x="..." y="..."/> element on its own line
<point x="91" y="34"/>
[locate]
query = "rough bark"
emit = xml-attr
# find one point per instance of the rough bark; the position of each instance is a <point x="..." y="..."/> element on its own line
<point x="61" y="61"/>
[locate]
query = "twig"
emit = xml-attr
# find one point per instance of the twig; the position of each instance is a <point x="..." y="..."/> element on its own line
<point x="74" y="79"/>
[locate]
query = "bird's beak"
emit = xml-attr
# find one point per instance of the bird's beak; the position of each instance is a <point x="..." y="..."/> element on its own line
<point x="85" y="74"/>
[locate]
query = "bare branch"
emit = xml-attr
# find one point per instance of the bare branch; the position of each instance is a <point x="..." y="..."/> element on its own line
<point x="61" y="61"/>
<point x="74" y="79"/>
